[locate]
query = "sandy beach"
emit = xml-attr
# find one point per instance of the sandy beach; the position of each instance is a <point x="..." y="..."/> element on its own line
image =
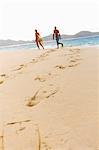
<point x="49" y="99"/>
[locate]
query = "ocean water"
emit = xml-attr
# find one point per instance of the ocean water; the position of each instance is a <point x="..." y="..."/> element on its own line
<point x="83" y="41"/>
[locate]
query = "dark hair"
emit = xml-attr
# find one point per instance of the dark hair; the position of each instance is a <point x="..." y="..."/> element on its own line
<point x="35" y="30"/>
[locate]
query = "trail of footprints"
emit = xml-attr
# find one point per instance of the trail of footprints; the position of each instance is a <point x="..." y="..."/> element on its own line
<point x="73" y="59"/>
<point x="21" y="67"/>
<point x="34" y="60"/>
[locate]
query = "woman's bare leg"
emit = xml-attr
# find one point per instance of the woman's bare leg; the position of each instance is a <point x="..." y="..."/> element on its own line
<point x="37" y="44"/>
<point x="41" y="45"/>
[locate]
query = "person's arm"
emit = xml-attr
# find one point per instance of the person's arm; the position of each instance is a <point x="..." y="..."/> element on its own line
<point x="35" y="37"/>
<point x="53" y="35"/>
<point x="59" y="36"/>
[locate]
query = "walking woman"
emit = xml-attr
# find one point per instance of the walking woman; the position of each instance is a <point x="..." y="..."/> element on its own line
<point x="38" y="39"/>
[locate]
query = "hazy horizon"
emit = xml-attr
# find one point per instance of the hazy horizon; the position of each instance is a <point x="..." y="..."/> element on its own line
<point x="19" y="18"/>
<point x="49" y="35"/>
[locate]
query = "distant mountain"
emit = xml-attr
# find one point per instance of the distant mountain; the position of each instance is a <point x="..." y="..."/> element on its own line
<point x="86" y="33"/>
<point x="77" y="35"/>
<point x="49" y="38"/>
<point x="12" y="42"/>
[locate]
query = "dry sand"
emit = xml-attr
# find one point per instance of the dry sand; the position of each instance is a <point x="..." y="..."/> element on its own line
<point x="49" y="99"/>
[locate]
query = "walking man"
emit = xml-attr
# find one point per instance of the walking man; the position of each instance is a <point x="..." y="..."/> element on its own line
<point x="57" y="35"/>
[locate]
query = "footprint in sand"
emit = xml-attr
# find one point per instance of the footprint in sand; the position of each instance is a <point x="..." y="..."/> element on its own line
<point x="73" y="62"/>
<point x="44" y="93"/>
<point x="39" y="58"/>
<point x="60" y="66"/>
<point x="48" y="92"/>
<point x="1" y="81"/>
<point x="32" y="101"/>
<point x="3" y="75"/>
<point x="42" y="78"/>
<point x="2" y="78"/>
<point x="34" y="61"/>
<point x="73" y="65"/>
<point x="21" y="129"/>
<point x="44" y="55"/>
<point x="20" y="67"/>
<point x="17" y="122"/>
<point x="45" y="146"/>
<point x="74" y="58"/>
